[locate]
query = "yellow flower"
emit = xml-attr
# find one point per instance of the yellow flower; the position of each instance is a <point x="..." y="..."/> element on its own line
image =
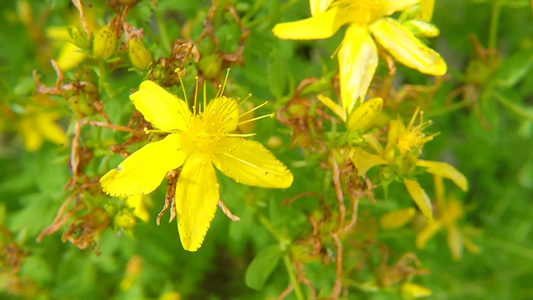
<point x="358" y="54"/>
<point x="197" y="142"/>
<point x="450" y="211"/>
<point x="38" y="124"/>
<point x="404" y="145"/>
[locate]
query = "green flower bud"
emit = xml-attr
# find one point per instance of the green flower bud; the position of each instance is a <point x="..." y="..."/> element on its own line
<point x="140" y="57"/>
<point x="125" y="219"/>
<point x="210" y="65"/>
<point x="105" y="43"/>
<point x="111" y="209"/>
<point x="363" y="116"/>
<point x="79" y="104"/>
<point x="422" y="29"/>
<point x="80" y="38"/>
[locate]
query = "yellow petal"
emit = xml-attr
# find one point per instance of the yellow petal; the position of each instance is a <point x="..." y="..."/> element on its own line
<point x="396" y="219"/>
<point x="365" y="114"/>
<point x="406" y="48"/>
<point x="161" y="108"/>
<point x="420" y="197"/>
<point x="363" y="160"/>
<point x="222" y="113"/>
<point x="321" y="26"/>
<point x="426" y="10"/>
<point x="455" y="241"/>
<point x="319" y="6"/>
<point x="137" y="202"/>
<point x="337" y="109"/>
<point x="143" y="171"/>
<point x="445" y="170"/>
<point x="358" y="60"/>
<point x="412" y="291"/>
<point x="70" y="56"/>
<point x="196" y="199"/>
<point x="427" y="233"/>
<point x="250" y="163"/>
<point x="49" y="129"/>
<point x="388" y="7"/>
<point x="32" y="139"/>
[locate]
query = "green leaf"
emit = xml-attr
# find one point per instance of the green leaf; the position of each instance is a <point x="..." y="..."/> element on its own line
<point x="262" y="266"/>
<point x="514" y="68"/>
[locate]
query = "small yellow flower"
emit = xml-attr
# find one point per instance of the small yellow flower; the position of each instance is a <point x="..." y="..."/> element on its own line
<point x="358" y="54"/>
<point x="404" y="145"/>
<point x="38" y="124"/>
<point x="197" y="142"/>
<point x="450" y="211"/>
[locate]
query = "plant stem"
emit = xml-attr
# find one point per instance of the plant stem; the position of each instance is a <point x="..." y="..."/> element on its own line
<point x="512" y="106"/>
<point x="494" y="23"/>
<point x="283" y="244"/>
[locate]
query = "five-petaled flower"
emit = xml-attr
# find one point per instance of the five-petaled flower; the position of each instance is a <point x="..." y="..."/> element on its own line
<point x="196" y="142"/>
<point x="358" y="53"/>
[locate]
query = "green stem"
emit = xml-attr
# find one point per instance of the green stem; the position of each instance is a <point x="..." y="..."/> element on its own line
<point x="494" y="23"/>
<point x="283" y="244"/>
<point x="512" y="107"/>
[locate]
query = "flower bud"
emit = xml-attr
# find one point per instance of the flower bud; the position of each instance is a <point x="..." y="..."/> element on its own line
<point x="422" y="29"/>
<point x="140" y="57"/>
<point x="125" y="219"/>
<point x="80" y="38"/>
<point x="79" y="104"/>
<point x="210" y="65"/>
<point x="363" y="116"/>
<point x="105" y="43"/>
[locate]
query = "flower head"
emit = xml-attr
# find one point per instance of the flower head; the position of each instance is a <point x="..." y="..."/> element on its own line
<point x="358" y="54"/>
<point x="197" y="141"/>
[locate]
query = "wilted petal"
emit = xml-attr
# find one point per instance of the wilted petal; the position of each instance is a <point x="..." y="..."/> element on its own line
<point x="250" y="163"/>
<point x="160" y="107"/>
<point x="445" y="170"/>
<point x="426" y="234"/>
<point x="143" y="171"/>
<point x="358" y="60"/>
<point x="222" y="113"/>
<point x="420" y="197"/>
<point x="365" y="114"/>
<point x="406" y="48"/>
<point x="321" y="26"/>
<point x="319" y="6"/>
<point x="196" y="199"/>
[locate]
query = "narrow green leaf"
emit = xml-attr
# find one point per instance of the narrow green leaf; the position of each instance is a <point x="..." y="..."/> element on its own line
<point x="261" y="267"/>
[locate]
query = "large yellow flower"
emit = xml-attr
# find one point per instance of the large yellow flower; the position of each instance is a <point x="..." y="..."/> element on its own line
<point x="196" y="142"/>
<point x="358" y="54"/>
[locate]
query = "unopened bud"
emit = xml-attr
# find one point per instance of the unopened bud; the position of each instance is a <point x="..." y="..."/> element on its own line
<point x="421" y="28"/>
<point x="365" y="114"/>
<point x="105" y="43"/>
<point x="210" y="65"/>
<point x="80" y="38"/>
<point x="140" y="57"/>
<point x="125" y="219"/>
